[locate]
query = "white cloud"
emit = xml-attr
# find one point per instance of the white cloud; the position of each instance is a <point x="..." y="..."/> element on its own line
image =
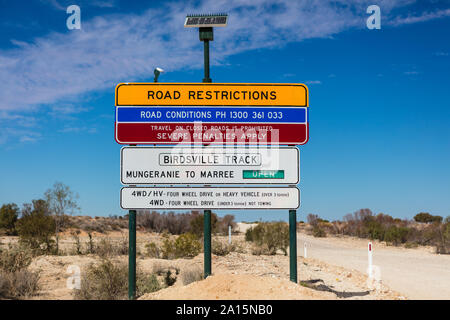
<point x="63" y="4"/>
<point x="11" y="135"/>
<point x="126" y="47"/>
<point x="426" y="16"/>
<point x="28" y="138"/>
<point x="67" y="129"/>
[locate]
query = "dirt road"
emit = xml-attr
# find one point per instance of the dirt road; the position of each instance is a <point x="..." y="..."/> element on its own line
<point x="417" y="273"/>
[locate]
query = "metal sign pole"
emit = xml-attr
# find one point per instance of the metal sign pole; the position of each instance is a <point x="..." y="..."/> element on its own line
<point x="207" y="243"/>
<point x="132" y="255"/>
<point x="132" y="252"/>
<point x="206" y="35"/>
<point x="293" y="245"/>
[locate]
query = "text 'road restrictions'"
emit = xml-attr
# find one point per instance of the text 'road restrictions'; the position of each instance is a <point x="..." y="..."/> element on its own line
<point x="210" y="198"/>
<point x="163" y="165"/>
<point x="211" y="94"/>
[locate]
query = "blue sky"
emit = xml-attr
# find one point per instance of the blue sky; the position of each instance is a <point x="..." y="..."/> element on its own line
<point x="379" y="99"/>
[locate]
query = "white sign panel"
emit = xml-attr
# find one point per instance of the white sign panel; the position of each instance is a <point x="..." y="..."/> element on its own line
<point x="174" y="198"/>
<point x="210" y="165"/>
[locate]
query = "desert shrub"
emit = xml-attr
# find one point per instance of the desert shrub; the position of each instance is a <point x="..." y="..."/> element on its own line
<point x="158" y="268"/>
<point x="36" y="227"/>
<point x="386" y="219"/>
<point x="224" y="222"/>
<point x="273" y="235"/>
<point x="320" y="227"/>
<point x="410" y="245"/>
<point x="106" y="281"/>
<point x="375" y="229"/>
<point x="97" y="224"/>
<point x="170" y="222"/>
<point x="356" y="223"/>
<point x="20" y="284"/>
<point x="277" y="236"/>
<point x="189" y="222"/>
<point x="396" y="235"/>
<point x="16" y="282"/>
<point x="152" y="250"/>
<point x="185" y="245"/>
<point x="147" y="284"/>
<point x="312" y="219"/>
<point x="161" y="269"/>
<point x="168" y="273"/>
<point x="254" y="234"/>
<point x="396" y="231"/>
<point x="168" y="247"/>
<point x="4" y="286"/>
<point x="104" y="248"/>
<point x="318" y="231"/>
<point x="170" y="278"/>
<point x="442" y="241"/>
<point x="191" y="275"/>
<point x="222" y="249"/>
<point x="108" y="248"/>
<point x="77" y="243"/>
<point x="197" y="224"/>
<point x="8" y="217"/>
<point x="447" y="231"/>
<point x="15" y="259"/>
<point x="425" y="217"/>
<point x="258" y="250"/>
<point x="109" y="281"/>
<point x="90" y="245"/>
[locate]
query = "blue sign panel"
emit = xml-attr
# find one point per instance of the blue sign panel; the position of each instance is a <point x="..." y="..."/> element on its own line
<point x="212" y="114"/>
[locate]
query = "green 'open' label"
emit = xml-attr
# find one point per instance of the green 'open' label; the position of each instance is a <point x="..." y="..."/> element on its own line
<point x="263" y="174"/>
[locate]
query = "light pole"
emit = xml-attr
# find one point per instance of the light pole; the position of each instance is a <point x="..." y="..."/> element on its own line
<point x="205" y="24"/>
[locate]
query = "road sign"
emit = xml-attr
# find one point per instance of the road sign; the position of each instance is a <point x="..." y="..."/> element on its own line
<point x="173" y="198"/>
<point x="211" y="165"/>
<point x="211" y="113"/>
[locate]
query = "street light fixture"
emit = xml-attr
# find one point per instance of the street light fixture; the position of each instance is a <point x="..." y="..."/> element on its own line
<point x="157" y="72"/>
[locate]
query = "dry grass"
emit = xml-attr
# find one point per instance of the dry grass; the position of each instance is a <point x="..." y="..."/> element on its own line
<point x="192" y="274"/>
<point x="16" y="282"/>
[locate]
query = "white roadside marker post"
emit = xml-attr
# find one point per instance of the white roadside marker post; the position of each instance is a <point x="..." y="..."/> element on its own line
<point x="304" y="251"/>
<point x="229" y="234"/>
<point x="369" y="270"/>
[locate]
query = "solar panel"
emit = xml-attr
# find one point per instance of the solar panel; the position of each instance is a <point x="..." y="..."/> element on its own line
<point x="205" y="20"/>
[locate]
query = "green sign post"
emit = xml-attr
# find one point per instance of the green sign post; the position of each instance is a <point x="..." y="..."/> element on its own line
<point x="207" y="243"/>
<point x="205" y="24"/>
<point x="293" y="245"/>
<point x="132" y="255"/>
